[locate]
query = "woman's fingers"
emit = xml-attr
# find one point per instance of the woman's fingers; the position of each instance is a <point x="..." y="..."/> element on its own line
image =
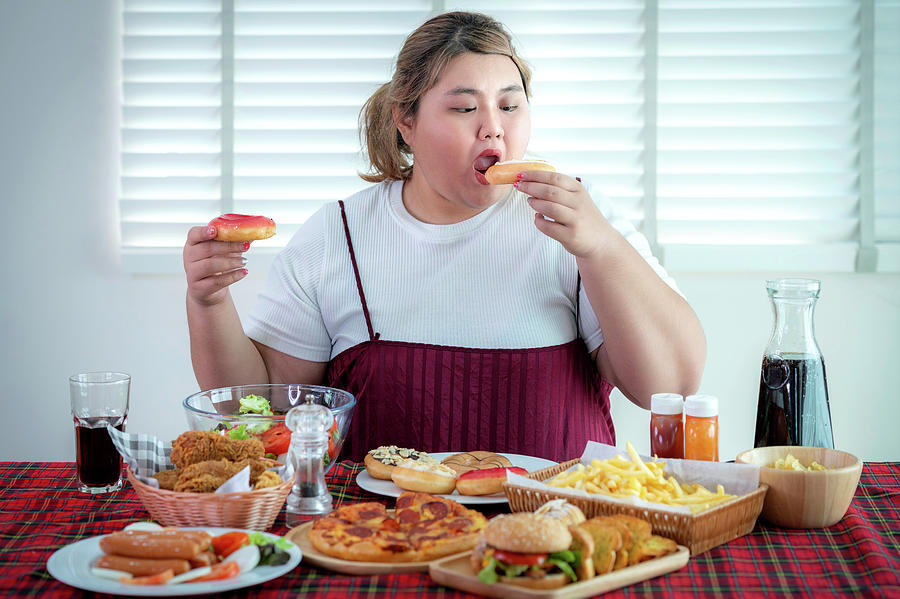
<point x="216" y="265"/>
<point x="208" y="286"/>
<point x="555" y="210"/>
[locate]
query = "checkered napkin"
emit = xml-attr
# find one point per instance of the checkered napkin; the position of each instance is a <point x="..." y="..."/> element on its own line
<point x="147" y="455"/>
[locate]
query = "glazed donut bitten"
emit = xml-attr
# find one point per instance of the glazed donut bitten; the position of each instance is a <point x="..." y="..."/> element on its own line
<point x="242" y="227"/>
<point x="504" y="173"/>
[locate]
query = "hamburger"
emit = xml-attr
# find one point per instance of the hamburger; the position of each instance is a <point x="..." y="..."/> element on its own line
<point x="532" y="550"/>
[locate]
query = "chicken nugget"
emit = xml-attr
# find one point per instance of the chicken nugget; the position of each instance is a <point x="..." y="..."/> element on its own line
<point x="207" y="476"/>
<point x="167" y="479"/>
<point x="267" y="479"/>
<point x="192" y="447"/>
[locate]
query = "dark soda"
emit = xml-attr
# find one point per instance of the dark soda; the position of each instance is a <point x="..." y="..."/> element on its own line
<point x="793" y="402"/>
<point x="97" y="461"/>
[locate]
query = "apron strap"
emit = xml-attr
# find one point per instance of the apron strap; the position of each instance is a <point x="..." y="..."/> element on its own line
<point x="362" y="297"/>
<point x="578" y="304"/>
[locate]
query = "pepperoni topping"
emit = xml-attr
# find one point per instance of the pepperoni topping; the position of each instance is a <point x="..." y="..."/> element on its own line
<point x="436" y="508"/>
<point x="370" y="514"/>
<point x="407" y="516"/>
<point x="359" y="531"/>
<point x="459" y="524"/>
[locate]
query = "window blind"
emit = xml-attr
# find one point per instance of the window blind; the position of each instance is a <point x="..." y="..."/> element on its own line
<point x="730" y="131"/>
<point x="758" y="131"/>
<point x="886" y="134"/>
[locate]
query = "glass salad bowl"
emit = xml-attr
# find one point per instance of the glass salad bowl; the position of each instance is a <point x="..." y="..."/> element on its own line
<point x="258" y="411"/>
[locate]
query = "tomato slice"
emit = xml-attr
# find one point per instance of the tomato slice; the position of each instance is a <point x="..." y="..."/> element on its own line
<point x="160" y="578"/>
<point x="226" y="544"/>
<point x="277" y="439"/>
<point x="220" y="571"/>
<point x="523" y="559"/>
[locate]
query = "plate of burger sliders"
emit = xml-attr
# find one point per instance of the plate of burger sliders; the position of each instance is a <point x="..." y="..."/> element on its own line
<point x="556" y="552"/>
<point x="471" y="477"/>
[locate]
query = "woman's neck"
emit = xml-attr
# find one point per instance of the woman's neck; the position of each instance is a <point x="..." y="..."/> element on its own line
<point x="426" y="205"/>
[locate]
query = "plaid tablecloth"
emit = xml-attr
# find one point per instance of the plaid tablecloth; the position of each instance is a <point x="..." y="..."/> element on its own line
<point x="41" y="511"/>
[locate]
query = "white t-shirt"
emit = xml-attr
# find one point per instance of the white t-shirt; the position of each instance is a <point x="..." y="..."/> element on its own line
<point x="492" y="281"/>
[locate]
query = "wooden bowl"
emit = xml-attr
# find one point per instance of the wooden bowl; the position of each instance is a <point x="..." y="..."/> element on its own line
<point x="805" y="499"/>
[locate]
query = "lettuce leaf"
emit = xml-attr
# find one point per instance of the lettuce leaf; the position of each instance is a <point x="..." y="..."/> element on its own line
<point x="255" y="404"/>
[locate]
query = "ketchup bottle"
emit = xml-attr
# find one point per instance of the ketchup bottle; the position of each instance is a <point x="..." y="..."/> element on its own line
<point x="701" y="428"/>
<point x="666" y="428"/>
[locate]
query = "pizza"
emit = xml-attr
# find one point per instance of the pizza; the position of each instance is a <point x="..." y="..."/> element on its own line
<point x="422" y="528"/>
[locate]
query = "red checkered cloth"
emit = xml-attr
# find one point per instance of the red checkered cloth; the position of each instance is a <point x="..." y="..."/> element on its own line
<point x="41" y="511"/>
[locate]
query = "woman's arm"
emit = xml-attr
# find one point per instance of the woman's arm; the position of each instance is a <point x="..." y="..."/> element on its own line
<point x="221" y="353"/>
<point x="652" y="340"/>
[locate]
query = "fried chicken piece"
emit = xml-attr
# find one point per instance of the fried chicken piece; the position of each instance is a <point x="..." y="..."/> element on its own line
<point x="167" y="479"/>
<point x="192" y="447"/>
<point x="206" y="477"/>
<point x="268" y="479"/>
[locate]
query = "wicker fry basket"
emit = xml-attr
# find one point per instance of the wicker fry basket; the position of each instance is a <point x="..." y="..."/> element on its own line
<point x="699" y="532"/>
<point x="254" y="510"/>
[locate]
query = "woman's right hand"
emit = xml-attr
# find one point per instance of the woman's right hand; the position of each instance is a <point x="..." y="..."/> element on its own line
<point x="211" y="266"/>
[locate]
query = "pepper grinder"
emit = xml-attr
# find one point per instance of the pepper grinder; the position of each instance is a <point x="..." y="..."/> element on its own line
<point x="309" y="499"/>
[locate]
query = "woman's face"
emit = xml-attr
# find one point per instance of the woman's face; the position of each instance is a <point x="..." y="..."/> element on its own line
<point x="475" y="115"/>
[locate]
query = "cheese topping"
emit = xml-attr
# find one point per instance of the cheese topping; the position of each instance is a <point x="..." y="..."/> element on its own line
<point x="433" y="466"/>
<point x="393" y="455"/>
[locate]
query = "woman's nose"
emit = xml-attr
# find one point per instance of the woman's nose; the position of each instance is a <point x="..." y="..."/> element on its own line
<point x="491" y="127"/>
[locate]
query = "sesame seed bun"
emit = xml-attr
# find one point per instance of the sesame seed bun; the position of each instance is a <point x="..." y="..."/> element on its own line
<point x="527" y="533"/>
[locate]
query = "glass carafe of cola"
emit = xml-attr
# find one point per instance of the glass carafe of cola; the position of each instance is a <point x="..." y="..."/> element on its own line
<point x="793" y="394"/>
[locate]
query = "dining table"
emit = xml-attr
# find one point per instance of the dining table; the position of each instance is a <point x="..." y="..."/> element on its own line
<point x="42" y="510"/>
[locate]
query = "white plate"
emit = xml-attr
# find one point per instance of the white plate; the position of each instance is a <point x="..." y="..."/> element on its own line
<point x="388" y="488"/>
<point x="72" y="565"/>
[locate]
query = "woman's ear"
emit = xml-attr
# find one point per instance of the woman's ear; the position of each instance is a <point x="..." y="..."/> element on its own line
<point x="404" y="126"/>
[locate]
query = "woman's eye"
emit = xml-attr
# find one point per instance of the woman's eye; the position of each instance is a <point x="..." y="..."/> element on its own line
<point x="509" y="108"/>
<point x="464" y="109"/>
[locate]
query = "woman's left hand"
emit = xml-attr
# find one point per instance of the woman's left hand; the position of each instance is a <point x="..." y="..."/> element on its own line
<point x="577" y="222"/>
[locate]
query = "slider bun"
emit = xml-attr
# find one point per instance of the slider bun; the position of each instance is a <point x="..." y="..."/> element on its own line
<point x="527" y="533"/>
<point x="562" y="510"/>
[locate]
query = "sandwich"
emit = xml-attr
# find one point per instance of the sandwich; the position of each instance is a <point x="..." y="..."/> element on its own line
<point x="533" y="551"/>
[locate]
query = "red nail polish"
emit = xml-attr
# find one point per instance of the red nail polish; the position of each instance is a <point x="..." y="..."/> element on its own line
<point x="519" y="176"/>
<point x="516" y="185"/>
<point x="244" y="271"/>
<point x="246" y="245"/>
<point x="211" y="231"/>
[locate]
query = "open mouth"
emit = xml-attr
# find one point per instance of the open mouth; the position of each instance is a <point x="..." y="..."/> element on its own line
<point x="483" y="163"/>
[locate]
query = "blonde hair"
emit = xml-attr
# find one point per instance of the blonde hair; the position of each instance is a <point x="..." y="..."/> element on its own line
<point x="422" y="59"/>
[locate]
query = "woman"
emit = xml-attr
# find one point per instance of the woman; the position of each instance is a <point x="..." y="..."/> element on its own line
<point x="462" y="315"/>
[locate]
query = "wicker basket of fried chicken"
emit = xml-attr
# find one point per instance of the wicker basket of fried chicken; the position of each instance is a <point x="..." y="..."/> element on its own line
<point x="190" y="495"/>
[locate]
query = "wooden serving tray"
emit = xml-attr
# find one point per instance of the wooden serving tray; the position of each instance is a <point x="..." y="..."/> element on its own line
<point x="456" y="571"/>
<point x="300" y="537"/>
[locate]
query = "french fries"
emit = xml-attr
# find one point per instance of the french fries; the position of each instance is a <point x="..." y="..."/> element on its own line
<point x="618" y="477"/>
<point x="789" y="462"/>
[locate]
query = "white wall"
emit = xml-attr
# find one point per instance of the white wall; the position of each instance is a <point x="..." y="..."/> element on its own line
<point x="67" y="307"/>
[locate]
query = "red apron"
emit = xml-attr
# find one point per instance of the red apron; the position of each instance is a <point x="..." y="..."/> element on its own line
<point x="546" y="401"/>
